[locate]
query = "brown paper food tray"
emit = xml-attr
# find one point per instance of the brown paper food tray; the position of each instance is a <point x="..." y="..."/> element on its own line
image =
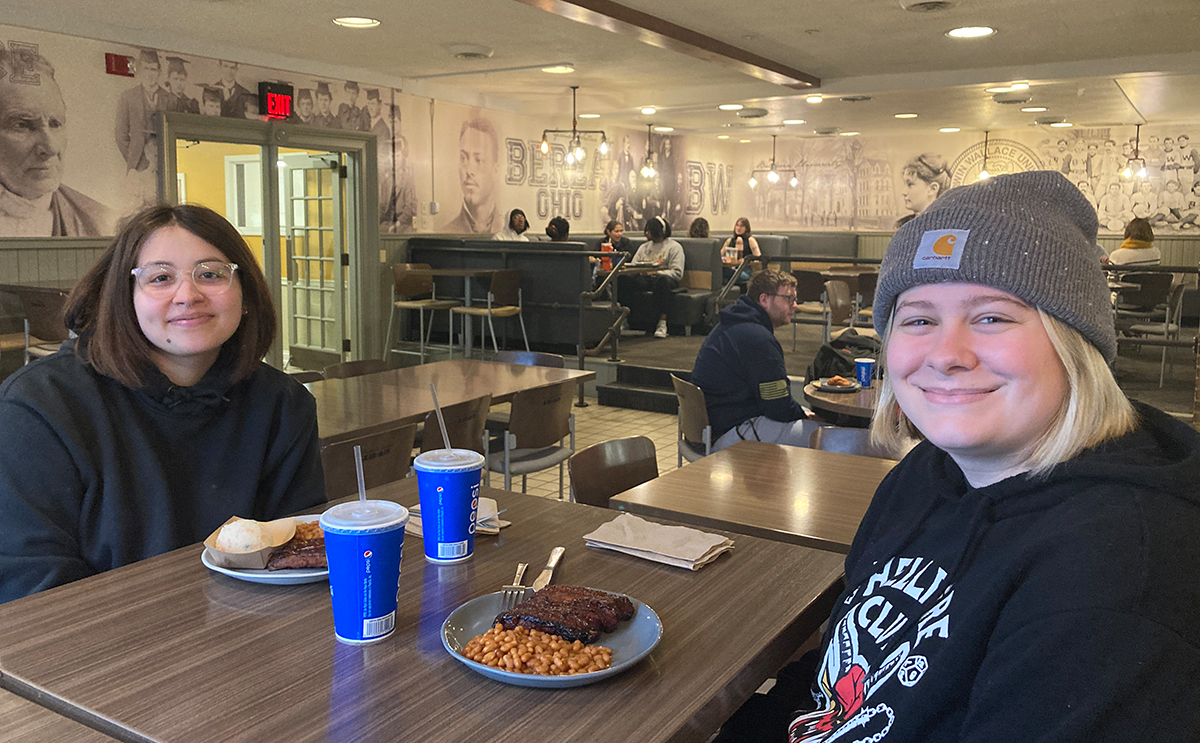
<point x="280" y="530"/>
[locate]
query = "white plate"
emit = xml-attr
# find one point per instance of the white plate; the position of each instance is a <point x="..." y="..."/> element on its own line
<point x="824" y="386"/>
<point x="633" y="640"/>
<point x="277" y="577"/>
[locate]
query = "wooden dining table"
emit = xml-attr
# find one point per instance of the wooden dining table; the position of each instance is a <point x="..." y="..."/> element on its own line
<point x="370" y="403"/>
<point x="786" y="493"/>
<point x="843" y="408"/>
<point x="165" y="650"/>
<point x="24" y="721"/>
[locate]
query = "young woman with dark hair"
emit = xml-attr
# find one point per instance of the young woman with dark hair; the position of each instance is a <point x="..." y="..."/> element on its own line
<point x="735" y="248"/>
<point x="160" y="421"/>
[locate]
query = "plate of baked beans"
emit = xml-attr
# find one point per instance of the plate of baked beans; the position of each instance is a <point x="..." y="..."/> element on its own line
<point x="529" y="657"/>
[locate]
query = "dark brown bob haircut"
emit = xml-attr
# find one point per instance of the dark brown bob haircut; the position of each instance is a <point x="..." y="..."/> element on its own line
<point x="100" y="307"/>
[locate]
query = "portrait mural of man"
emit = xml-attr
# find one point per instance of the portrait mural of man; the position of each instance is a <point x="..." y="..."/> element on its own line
<point x="324" y="117"/>
<point x="174" y="96"/>
<point x="210" y="100"/>
<point x="303" y="113"/>
<point x="135" y="110"/>
<point x="232" y="92"/>
<point x="351" y="116"/>
<point x="478" y="172"/>
<point x="33" y="139"/>
<point x="397" y="184"/>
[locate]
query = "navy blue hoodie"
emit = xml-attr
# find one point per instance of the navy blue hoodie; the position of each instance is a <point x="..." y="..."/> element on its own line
<point x="741" y="371"/>
<point x="1032" y="610"/>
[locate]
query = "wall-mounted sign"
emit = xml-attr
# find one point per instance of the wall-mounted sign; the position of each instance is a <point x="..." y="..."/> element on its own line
<point x="275" y="100"/>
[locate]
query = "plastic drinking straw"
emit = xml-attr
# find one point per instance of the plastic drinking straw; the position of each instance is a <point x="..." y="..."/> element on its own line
<point x="441" y="421"/>
<point x="362" y="483"/>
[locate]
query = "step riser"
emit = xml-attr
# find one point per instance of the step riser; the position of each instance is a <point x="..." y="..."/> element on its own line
<point x="654" y="401"/>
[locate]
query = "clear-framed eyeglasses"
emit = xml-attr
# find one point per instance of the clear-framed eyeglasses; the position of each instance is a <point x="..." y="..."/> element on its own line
<point x="161" y="279"/>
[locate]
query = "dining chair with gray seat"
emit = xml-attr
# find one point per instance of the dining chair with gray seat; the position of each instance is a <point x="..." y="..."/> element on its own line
<point x="464" y="426"/>
<point x="810" y="300"/>
<point x="497" y="420"/>
<point x="539" y="422"/>
<point x="385" y="458"/>
<point x="610" y="467"/>
<point x="1167" y="329"/>
<point x="693" y="434"/>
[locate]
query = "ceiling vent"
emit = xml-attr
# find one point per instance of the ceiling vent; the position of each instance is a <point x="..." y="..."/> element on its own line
<point x="752" y="113"/>
<point x="1013" y="96"/>
<point x="1047" y="120"/>
<point x="926" y="6"/>
<point x="855" y="98"/>
<point x="827" y="131"/>
<point x="470" y="51"/>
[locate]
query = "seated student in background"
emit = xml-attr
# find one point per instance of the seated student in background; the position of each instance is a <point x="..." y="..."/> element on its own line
<point x="661" y="249"/>
<point x="1138" y="247"/>
<point x="741" y="370"/>
<point x="160" y="421"/>
<point x="515" y="230"/>
<point x="699" y="228"/>
<point x="559" y="230"/>
<point x="1028" y="571"/>
<point x="735" y="248"/>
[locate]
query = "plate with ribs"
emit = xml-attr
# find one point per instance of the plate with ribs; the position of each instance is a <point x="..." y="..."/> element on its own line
<point x="294" y="552"/>
<point x="632" y="639"/>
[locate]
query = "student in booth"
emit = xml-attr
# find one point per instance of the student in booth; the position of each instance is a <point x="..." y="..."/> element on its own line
<point x="658" y="249"/>
<point x="515" y="231"/>
<point x="1137" y="249"/>
<point x="1026" y="572"/>
<point x="160" y="421"/>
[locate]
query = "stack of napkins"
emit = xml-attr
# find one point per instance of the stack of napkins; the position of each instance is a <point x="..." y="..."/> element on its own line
<point x="672" y="545"/>
<point x="487" y="518"/>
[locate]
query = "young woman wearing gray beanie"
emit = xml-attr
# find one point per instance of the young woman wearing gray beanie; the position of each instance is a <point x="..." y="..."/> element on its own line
<point x="1028" y="571"/>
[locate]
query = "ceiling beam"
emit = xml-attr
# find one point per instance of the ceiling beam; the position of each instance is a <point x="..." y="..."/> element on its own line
<point x="655" y="31"/>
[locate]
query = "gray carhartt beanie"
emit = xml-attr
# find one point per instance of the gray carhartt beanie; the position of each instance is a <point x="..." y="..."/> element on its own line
<point x="1030" y="234"/>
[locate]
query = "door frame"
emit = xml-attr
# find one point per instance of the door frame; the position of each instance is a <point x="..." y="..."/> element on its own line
<point x="362" y="202"/>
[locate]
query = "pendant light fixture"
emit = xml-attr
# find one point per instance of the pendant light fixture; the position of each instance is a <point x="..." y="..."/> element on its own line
<point x="648" y="165"/>
<point x="575" y="151"/>
<point x="773" y="174"/>
<point x="983" y="173"/>
<point x="1135" y="165"/>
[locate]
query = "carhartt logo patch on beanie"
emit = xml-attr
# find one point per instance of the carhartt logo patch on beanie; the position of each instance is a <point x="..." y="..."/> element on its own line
<point x="1030" y="234"/>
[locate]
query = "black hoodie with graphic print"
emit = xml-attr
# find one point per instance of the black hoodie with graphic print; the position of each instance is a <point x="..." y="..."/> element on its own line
<point x="1057" y="609"/>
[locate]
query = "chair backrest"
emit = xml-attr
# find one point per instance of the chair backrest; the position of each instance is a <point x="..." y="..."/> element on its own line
<point x="1154" y="290"/>
<point x="44" y="312"/>
<point x="354" y="368"/>
<point x="530" y="358"/>
<point x="385" y="455"/>
<point x="305" y="377"/>
<point x="693" y="414"/>
<point x="603" y="470"/>
<point x="846" y="441"/>
<point x="465" y="422"/>
<point x="541" y="417"/>
<point x="866" y="287"/>
<point x="809" y="286"/>
<point x="840" y="304"/>
<point x="506" y="288"/>
<point x="408" y="285"/>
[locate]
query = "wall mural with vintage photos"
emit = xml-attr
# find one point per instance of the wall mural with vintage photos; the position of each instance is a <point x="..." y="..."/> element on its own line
<point x="78" y="150"/>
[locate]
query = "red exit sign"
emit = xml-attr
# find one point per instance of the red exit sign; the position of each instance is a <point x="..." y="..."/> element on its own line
<point x="275" y="100"/>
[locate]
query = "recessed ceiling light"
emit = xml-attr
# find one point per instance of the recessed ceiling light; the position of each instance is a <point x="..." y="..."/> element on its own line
<point x="970" y="32"/>
<point x="1062" y="124"/>
<point x="589" y="116"/>
<point x="664" y="129"/>
<point x="814" y="99"/>
<point x="722" y="136"/>
<point x="744" y="141"/>
<point x="905" y="116"/>
<point x="793" y="122"/>
<point x="949" y="129"/>
<point x="998" y="89"/>
<point x="730" y="107"/>
<point x="351" y="21"/>
<point x="1019" y="86"/>
<point x="1034" y="109"/>
<point x="649" y="110"/>
<point x="559" y="69"/>
<point x="847" y="134"/>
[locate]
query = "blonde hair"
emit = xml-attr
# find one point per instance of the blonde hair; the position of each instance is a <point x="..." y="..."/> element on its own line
<point x="1094" y="411"/>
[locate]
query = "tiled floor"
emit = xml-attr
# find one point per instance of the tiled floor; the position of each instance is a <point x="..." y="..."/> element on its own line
<point x="597" y="423"/>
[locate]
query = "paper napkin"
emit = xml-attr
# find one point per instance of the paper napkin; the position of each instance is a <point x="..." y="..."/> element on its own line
<point x="487" y="519"/>
<point x="671" y="545"/>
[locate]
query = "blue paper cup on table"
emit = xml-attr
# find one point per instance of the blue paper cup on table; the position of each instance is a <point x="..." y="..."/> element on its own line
<point x="864" y="370"/>
<point x="363" y="540"/>
<point x="448" y="481"/>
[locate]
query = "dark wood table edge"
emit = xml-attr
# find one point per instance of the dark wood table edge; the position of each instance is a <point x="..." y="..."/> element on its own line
<point x="758" y="532"/>
<point x="60" y="706"/>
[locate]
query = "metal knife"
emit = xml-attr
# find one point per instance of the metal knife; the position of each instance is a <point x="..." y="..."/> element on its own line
<point x="544" y="579"/>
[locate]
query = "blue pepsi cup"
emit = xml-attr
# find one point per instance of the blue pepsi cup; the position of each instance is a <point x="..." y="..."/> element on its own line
<point x="362" y="544"/>
<point x="864" y="369"/>
<point x="448" y="481"/>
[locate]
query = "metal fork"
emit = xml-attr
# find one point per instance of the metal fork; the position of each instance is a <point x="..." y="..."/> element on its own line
<point x="512" y="595"/>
